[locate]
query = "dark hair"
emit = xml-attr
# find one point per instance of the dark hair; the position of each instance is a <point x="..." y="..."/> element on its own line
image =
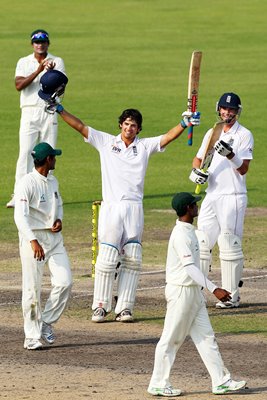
<point x="132" y="114"/>
<point x="39" y="163"/>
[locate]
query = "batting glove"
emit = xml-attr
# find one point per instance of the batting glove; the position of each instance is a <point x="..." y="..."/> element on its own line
<point x="51" y="108"/>
<point x="190" y="118"/>
<point x="198" y="176"/>
<point x="223" y="148"/>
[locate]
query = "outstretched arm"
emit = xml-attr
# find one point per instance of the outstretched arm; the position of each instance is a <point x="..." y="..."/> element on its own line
<point x="171" y="135"/>
<point x="73" y="121"/>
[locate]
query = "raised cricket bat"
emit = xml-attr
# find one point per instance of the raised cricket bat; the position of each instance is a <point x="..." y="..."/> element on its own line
<point x="209" y="150"/>
<point x="193" y="84"/>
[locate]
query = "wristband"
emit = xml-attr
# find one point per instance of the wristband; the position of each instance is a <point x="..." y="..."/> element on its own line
<point x="183" y="124"/>
<point x="236" y="161"/>
<point x="59" y="109"/>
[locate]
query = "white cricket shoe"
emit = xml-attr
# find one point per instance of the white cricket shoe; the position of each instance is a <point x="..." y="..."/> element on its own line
<point x="47" y="333"/>
<point x="11" y="203"/>
<point x="229" y="386"/>
<point x="227" y="304"/>
<point x="32" y="344"/>
<point x="124" y="316"/>
<point x="167" y="391"/>
<point x="99" y="315"/>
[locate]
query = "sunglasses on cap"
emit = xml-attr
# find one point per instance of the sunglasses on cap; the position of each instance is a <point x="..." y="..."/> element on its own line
<point x="40" y="36"/>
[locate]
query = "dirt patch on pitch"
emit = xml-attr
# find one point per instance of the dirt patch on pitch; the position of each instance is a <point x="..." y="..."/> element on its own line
<point x="114" y="361"/>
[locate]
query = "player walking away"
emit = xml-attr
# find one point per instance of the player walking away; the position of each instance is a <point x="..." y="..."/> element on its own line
<point x="186" y="310"/>
<point x="222" y="212"/>
<point x="38" y="216"/>
<point x="124" y="159"/>
<point x="36" y="125"/>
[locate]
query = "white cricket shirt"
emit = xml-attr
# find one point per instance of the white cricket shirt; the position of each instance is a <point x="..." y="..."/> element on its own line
<point x="25" y="67"/>
<point x="183" y="249"/>
<point x="37" y="204"/>
<point x="123" y="168"/>
<point x="224" y="179"/>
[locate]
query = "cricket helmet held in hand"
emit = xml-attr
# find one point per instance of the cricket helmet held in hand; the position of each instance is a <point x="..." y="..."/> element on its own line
<point x="229" y="100"/>
<point x="52" y="84"/>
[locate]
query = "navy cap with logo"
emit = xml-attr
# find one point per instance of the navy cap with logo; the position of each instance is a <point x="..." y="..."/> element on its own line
<point x="181" y="200"/>
<point x="230" y="100"/>
<point x="39" y="35"/>
<point x="51" y="82"/>
<point x="43" y="150"/>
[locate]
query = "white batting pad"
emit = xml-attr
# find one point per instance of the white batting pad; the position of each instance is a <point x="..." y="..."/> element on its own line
<point x="205" y="253"/>
<point x="232" y="259"/>
<point x="105" y="268"/>
<point x="131" y="264"/>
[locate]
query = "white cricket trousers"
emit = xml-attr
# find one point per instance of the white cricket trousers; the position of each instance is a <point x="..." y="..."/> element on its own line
<point x="186" y="315"/>
<point x="36" y="126"/>
<point x="220" y="213"/>
<point x="32" y="273"/>
<point x="120" y="222"/>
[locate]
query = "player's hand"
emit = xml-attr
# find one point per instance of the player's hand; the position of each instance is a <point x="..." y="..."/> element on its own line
<point x="223" y="148"/>
<point x="49" y="64"/>
<point x="38" y="251"/>
<point x="190" y="118"/>
<point x="57" y="226"/>
<point x="198" y="176"/>
<point x="52" y="107"/>
<point x="222" y="294"/>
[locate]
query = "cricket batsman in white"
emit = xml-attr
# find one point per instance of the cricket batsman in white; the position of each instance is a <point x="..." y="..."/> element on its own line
<point x="222" y="212"/>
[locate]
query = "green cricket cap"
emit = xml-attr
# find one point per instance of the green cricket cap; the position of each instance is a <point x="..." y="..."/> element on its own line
<point x="43" y="150"/>
<point x="181" y="200"/>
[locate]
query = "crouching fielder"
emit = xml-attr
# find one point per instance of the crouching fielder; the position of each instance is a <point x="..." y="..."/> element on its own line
<point x="222" y="212"/>
<point x="38" y="216"/>
<point x="186" y="310"/>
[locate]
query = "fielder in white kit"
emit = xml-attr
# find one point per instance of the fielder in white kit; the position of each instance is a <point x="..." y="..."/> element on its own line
<point x="186" y="308"/>
<point x="222" y="212"/>
<point x="36" y="125"/>
<point x="124" y="159"/>
<point x="38" y="216"/>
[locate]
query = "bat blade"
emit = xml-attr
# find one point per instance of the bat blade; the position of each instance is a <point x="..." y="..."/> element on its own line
<point x="193" y="84"/>
<point x="209" y="150"/>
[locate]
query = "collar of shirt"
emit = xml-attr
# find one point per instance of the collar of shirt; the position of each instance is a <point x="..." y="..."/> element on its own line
<point x="233" y="129"/>
<point x="185" y="224"/>
<point x="118" y="139"/>
<point x="40" y="176"/>
<point x="34" y="59"/>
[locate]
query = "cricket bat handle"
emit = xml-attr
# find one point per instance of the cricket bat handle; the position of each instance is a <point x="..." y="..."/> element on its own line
<point x="198" y="186"/>
<point x="190" y="135"/>
<point x="198" y="189"/>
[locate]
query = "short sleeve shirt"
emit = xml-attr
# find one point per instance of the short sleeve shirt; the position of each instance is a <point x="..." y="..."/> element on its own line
<point x="123" y="168"/>
<point x="25" y="67"/>
<point x="224" y="179"/>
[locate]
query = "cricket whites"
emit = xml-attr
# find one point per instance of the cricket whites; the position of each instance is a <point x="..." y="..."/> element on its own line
<point x="209" y="151"/>
<point x="193" y="84"/>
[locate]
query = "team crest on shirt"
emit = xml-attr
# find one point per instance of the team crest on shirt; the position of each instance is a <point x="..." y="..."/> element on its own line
<point x="231" y="141"/>
<point x="42" y="198"/>
<point x="115" y="149"/>
<point x="135" y="150"/>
